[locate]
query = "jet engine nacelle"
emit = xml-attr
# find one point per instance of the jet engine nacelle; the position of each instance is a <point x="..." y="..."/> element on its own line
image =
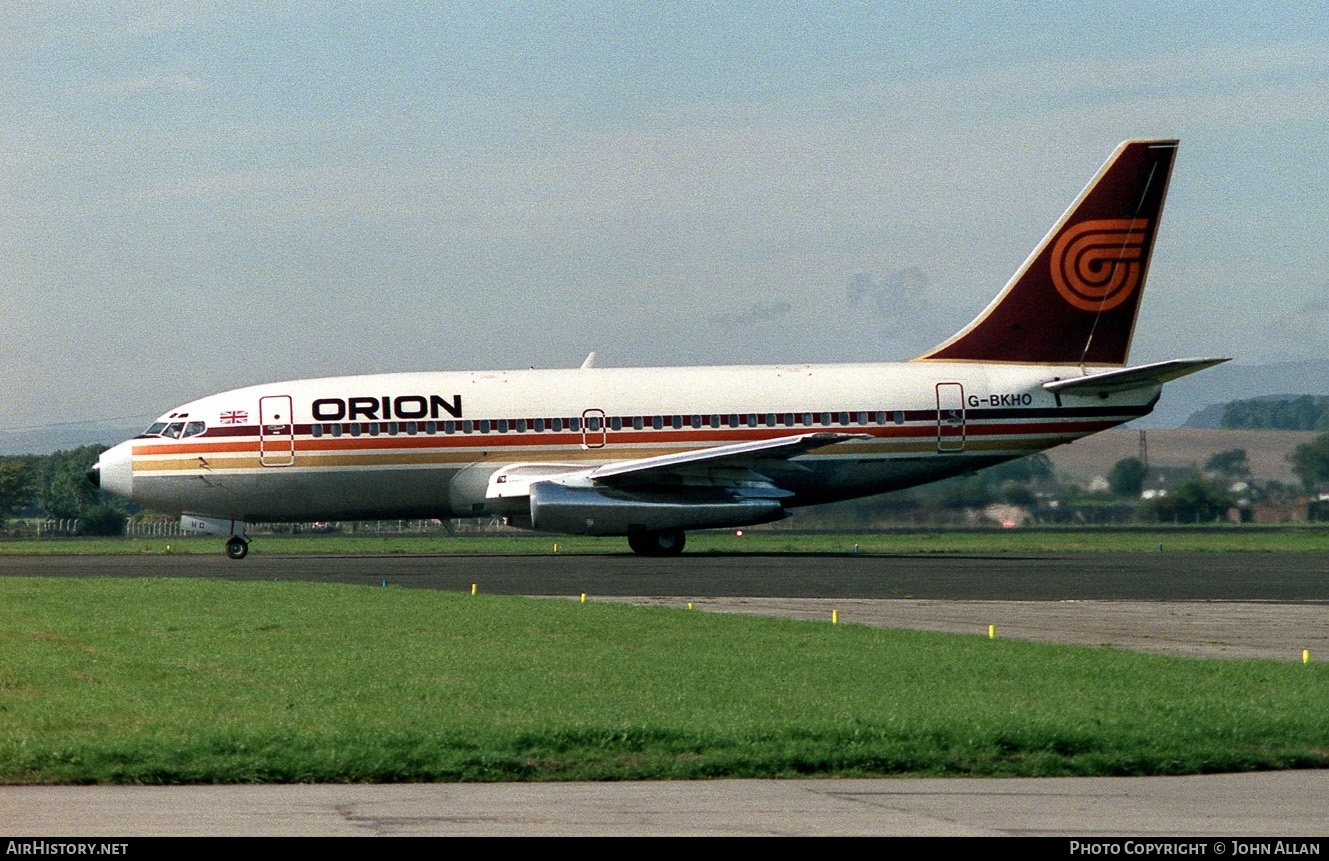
<point x="604" y="511"/>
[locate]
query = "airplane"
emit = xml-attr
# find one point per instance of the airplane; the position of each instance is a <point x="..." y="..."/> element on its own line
<point x="649" y="453"/>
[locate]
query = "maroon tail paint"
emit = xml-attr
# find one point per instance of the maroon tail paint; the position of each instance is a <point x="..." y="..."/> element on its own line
<point x="1075" y="299"/>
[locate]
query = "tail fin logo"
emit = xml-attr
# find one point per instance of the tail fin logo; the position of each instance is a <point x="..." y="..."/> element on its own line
<point x="1096" y="264"/>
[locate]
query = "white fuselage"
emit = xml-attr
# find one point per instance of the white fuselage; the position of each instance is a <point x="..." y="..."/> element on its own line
<point x="430" y="444"/>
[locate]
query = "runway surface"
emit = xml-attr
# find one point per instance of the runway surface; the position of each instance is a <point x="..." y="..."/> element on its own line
<point x="1228" y="605"/>
<point x="1282" y="577"/>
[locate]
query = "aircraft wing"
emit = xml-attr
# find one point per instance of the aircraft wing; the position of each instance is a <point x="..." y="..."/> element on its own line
<point x="1144" y="376"/>
<point x="738" y="456"/>
<point x="736" y="465"/>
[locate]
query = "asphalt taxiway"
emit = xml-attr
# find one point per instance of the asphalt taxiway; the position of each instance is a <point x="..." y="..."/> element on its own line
<point x="1282" y="577"/>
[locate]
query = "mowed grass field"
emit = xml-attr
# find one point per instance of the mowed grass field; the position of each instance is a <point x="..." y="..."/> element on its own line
<point x="1213" y="539"/>
<point x="172" y="681"/>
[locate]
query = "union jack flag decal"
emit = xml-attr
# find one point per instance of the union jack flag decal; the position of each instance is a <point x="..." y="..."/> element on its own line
<point x="234" y="417"/>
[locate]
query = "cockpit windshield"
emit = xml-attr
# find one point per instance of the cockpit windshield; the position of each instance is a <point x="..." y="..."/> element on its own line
<point x="176" y="430"/>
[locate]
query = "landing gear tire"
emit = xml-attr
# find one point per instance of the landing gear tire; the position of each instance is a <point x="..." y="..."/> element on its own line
<point x="237" y="547"/>
<point x="667" y="542"/>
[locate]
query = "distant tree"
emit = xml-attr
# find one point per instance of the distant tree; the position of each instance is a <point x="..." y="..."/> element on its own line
<point x="102" y="520"/>
<point x="15" y="486"/>
<point x="972" y="491"/>
<point x="1310" y="462"/>
<point x="66" y="492"/>
<point x="1127" y="476"/>
<point x="1302" y="412"/>
<point x="1034" y="468"/>
<point x="1194" y="501"/>
<point x="1230" y="464"/>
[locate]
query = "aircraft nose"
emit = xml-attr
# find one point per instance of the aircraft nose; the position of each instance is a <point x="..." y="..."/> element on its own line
<point x="114" y="470"/>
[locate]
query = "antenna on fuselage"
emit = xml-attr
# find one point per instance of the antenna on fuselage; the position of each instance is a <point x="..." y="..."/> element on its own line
<point x="590" y="361"/>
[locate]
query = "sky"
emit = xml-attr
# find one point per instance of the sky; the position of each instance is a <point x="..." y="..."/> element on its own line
<point x="199" y="196"/>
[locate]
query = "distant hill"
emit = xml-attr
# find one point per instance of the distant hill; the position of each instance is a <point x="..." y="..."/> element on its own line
<point x="1266" y="450"/>
<point x="1190" y="399"/>
<point x="62" y="437"/>
<point x="1271" y="412"/>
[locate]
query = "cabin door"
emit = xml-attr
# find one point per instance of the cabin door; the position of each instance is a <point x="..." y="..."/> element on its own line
<point x="950" y="417"/>
<point x="276" y="431"/>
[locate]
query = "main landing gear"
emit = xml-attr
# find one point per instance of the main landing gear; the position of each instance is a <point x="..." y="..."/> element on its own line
<point x="667" y="542"/>
<point x="237" y="547"/>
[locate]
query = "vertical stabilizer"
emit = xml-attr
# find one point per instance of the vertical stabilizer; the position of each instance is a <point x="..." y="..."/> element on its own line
<point x="1075" y="299"/>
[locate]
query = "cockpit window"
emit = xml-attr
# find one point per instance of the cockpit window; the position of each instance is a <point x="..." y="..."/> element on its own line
<point x="174" y="429"/>
<point x="194" y="428"/>
<point x="156" y="428"/>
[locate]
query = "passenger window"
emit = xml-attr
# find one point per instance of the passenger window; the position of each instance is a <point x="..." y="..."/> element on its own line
<point x="357" y="428"/>
<point x="484" y="425"/>
<point x="616" y="423"/>
<point x="657" y="422"/>
<point x="574" y="424"/>
<point x="556" y="424"/>
<point x="696" y="421"/>
<point x="392" y="428"/>
<point x="881" y="417"/>
<point x="844" y="418"/>
<point x="521" y="425"/>
<point x="592" y="423"/>
<point x="316" y="430"/>
<point x="752" y="420"/>
<point x="539" y="425"/>
<point x="431" y="428"/>
<point x="502" y="425"/>
<point x="807" y="420"/>
<point x="449" y="427"/>
<point x="412" y="428"/>
<point x="468" y="426"/>
<point x="862" y="418"/>
<point x="636" y="423"/>
<point x="788" y="420"/>
<point x="336" y="430"/>
<point x="899" y="417"/>
<point x="373" y="428"/>
<point x="677" y="422"/>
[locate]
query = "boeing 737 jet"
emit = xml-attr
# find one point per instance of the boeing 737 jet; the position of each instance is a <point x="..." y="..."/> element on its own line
<point x="649" y="453"/>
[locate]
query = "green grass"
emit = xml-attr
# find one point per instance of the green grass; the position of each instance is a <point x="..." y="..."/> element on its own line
<point x="1218" y="539"/>
<point x="164" y="681"/>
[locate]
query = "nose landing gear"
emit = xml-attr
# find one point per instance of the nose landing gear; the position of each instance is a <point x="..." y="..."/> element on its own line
<point x="237" y="547"/>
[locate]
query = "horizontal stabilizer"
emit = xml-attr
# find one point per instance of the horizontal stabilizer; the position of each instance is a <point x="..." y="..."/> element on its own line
<point x="1126" y="379"/>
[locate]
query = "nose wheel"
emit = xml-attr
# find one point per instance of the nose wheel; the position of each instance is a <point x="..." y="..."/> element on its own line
<point x="237" y="547"/>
